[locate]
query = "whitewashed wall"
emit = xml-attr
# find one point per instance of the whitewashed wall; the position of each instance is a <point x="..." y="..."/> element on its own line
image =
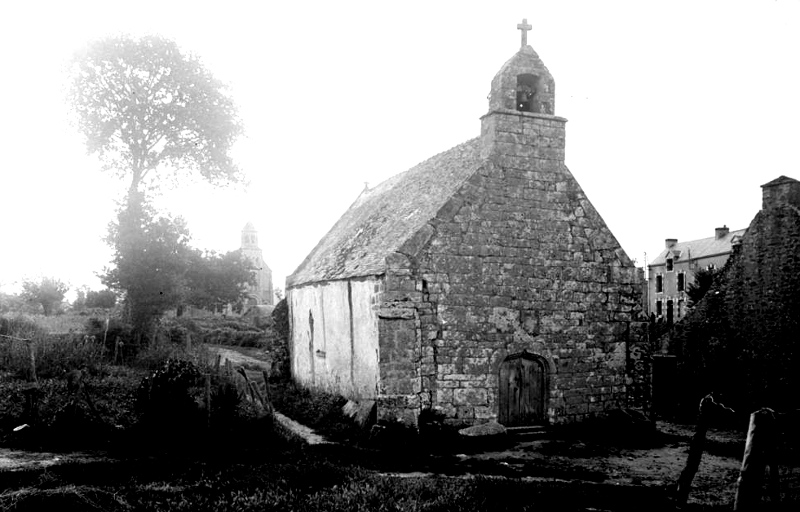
<point x="340" y="353"/>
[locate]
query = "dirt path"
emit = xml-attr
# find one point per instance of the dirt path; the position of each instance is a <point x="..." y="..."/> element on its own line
<point x="235" y="357"/>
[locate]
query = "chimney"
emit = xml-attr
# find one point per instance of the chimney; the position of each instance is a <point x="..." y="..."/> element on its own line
<point x="721" y="232"/>
<point x="779" y="192"/>
<point x="671" y="242"/>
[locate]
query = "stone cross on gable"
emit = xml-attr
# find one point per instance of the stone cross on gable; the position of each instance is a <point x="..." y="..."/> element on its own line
<point x="524" y="27"/>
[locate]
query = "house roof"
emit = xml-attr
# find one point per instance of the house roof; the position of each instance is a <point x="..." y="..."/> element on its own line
<point x="779" y="181"/>
<point x="384" y="217"/>
<point x="699" y="248"/>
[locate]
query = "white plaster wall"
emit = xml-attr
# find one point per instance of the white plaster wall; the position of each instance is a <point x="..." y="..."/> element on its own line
<point x="344" y="357"/>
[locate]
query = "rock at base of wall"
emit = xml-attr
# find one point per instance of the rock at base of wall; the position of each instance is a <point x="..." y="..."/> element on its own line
<point x="491" y="428"/>
<point x="484" y="437"/>
<point x="362" y="413"/>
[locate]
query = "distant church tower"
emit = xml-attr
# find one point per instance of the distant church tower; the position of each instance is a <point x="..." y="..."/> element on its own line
<point x="261" y="293"/>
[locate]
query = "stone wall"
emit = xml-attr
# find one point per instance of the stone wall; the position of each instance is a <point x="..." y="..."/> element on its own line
<point x="518" y="260"/>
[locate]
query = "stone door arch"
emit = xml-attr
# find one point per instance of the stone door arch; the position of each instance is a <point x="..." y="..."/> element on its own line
<point x="522" y="393"/>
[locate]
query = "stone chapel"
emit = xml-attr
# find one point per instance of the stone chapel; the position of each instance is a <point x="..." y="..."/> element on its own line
<point x="481" y="283"/>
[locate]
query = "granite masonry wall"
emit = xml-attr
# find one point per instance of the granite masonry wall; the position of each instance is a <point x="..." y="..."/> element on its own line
<point x="518" y="260"/>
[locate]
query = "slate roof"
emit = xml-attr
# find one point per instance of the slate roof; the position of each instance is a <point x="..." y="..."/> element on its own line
<point x="384" y="217"/>
<point x="779" y="181"/>
<point x="700" y="248"/>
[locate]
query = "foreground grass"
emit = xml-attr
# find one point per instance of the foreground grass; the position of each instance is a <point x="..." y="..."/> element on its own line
<point x="292" y="478"/>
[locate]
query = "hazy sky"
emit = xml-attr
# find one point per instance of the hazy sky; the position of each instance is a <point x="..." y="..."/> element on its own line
<point x="678" y="112"/>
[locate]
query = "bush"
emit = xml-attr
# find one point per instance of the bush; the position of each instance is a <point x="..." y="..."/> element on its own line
<point x="20" y="326"/>
<point x="58" y="417"/>
<point x="227" y="336"/>
<point x="280" y="318"/>
<point x="167" y="403"/>
<point x="54" y="354"/>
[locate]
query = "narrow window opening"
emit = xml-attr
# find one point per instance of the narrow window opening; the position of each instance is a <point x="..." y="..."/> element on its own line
<point x="658" y="308"/>
<point x="659" y="283"/>
<point x="681" y="281"/>
<point x="527" y="87"/>
<point x="670" y="265"/>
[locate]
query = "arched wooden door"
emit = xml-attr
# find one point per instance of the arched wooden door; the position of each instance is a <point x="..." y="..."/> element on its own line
<point x="523" y="385"/>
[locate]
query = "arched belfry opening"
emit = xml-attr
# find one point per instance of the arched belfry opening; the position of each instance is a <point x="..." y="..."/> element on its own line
<point x="527" y="89"/>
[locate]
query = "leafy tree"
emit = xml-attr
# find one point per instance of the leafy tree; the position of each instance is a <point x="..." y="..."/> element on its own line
<point x="146" y="108"/>
<point x="105" y="299"/>
<point x="214" y="280"/>
<point x="10" y="302"/>
<point x="47" y="292"/>
<point x="151" y="259"/>
<point x="79" y="304"/>
<point x="279" y="294"/>
<point x="703" y="279"/>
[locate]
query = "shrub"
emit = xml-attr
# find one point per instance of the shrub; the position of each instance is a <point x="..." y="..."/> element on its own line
<point x="280" y="318"/>
<point x="227" y="336"/>
<point x="166" y="402"/>
<point x="20" y="326"/>
<point x="59" y="417"/>
<point x="54" y="354"/>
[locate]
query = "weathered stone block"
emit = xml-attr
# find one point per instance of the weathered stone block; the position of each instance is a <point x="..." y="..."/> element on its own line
<point x="470" y="396"/>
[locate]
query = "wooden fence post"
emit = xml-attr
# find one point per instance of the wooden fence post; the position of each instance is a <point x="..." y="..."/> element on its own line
<point x="759" y="452"/>
<point x="32" y="352"/>
<point x="208" y="401"/>
<point x="696" y="447"/>
<point x="267" y="397"/>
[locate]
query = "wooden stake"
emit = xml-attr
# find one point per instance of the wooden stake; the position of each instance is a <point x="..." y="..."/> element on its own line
<point x="267" y="397"/>
<point x="32" y="351"/>
<point x="696" y="447"/>
<point x="759" y="452"/>
<point x="208" y="401"/>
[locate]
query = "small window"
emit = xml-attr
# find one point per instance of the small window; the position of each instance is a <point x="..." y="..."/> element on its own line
<point x="659" y="283"/>
<point x="669" y="265"/>
<point x="658" y="308"/>
<point x="681" y="281"/>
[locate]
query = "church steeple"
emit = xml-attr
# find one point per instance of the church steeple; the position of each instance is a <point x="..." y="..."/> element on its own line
<point x="523" y="83"/>
<point x="249" y="236"/>
<point x="261" y="291"/>
<point x="521" y="121"/>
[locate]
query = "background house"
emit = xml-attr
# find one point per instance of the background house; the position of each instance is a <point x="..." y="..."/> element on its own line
<point x="673" y="270"/>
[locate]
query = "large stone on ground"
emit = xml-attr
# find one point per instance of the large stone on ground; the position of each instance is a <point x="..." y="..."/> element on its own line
<point x="362" y="413"/>
<point x="490" y="436"/>
<point x="491" y="428"/>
